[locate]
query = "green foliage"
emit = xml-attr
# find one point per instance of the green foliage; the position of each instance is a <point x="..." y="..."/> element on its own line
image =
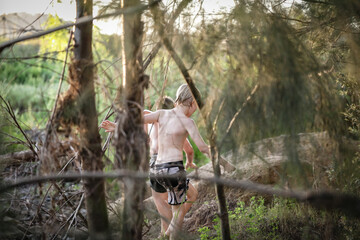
<point x="292" y="61"/>
<point x="27" y="96"/>
<point x="29" y="84"/>
<point x="56" y="41"/>
<point x="204" y="233"/>
<point x="281" y="65"/>
<point x="282" y="219"/>
<point x="305" y="60"/>
<point x="10" y="137"/>
<point x="15" y="69"/>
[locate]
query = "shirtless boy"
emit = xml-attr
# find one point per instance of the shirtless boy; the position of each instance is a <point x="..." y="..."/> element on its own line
<point x="159" y="193"/>
<point x="174" y="127"/>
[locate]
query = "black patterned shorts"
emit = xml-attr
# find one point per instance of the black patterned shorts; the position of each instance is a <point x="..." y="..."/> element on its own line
<point x="176" y="186"/>
<point x="153" y="183"/>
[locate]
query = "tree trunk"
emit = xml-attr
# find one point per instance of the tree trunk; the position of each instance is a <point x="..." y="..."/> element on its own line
<point x="82" y="74"/>
<point x="219" y="188"/>
<point x="130" y="138"/>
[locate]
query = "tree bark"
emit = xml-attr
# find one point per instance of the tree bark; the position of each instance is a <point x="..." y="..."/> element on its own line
<point x="130" y="138"/>
<point x="219" y="188"/>
<point x="82" y="74"/>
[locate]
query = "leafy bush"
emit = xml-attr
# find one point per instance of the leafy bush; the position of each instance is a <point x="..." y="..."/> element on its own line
<point x="282" y="219"/>
<point x="22" y="97"/>
<point x="35" y="71"/>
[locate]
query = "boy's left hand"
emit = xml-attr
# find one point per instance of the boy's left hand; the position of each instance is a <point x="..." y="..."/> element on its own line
<point x="108" y="126"/>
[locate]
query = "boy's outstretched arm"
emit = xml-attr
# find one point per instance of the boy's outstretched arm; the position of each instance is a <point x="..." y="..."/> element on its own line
<point x="108" y="126"/>
<point x="145" y="125"/>
<point x="152" y="117"/>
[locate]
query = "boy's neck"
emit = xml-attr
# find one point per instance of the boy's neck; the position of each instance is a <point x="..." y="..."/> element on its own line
<point x="183" y="109"/>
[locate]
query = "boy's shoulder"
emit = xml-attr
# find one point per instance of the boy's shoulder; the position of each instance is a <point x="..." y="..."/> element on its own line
<point x="146" y="111"/>
<point x="164" y="112"/>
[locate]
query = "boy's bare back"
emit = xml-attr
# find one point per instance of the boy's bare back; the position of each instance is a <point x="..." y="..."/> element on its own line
<point x="174" y="127"/>
<point x="172" y="135"/>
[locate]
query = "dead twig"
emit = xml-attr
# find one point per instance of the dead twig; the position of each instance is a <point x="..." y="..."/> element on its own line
<point x="76" y="213"/>
<point x="69" y="202"/>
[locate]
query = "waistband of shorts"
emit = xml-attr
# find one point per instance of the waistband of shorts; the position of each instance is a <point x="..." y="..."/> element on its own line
<point x="170" y="165"/>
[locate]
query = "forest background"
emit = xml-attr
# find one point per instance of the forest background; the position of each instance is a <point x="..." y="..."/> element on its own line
<point x="263" y="68"/>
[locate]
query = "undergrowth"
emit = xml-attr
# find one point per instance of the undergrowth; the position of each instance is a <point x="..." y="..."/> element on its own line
<point x="282" y="219"/>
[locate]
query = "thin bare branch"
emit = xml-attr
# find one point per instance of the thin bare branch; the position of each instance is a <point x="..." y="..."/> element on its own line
<point x="237" y="114"/>
<point x="156" y="48"/>
<point x="158" y="16"/>
<point x="159" y="24"/>
<point x="70" y="203"/>
<point x="13" y="116"/>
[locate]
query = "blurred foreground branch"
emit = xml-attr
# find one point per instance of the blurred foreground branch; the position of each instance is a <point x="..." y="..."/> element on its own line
<point x="325" y="200"/>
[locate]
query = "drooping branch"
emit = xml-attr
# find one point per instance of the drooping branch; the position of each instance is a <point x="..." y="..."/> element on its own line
<point x="158" y="16"/>
<point x="156" y="49"/>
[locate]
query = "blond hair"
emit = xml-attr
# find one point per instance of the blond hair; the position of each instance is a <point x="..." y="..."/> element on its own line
<point x="184" y="95"/>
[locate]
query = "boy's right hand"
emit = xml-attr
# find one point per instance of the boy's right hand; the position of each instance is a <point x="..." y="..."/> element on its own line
<point x="108" y="126"/>
<point x="190" y="165"/>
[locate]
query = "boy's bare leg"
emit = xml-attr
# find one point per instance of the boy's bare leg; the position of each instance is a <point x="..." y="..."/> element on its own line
<point x="179" y="212"/>
<point x="191" y="194"/>
<point x="176" y="221"/>
<point x="164" y="209"/>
